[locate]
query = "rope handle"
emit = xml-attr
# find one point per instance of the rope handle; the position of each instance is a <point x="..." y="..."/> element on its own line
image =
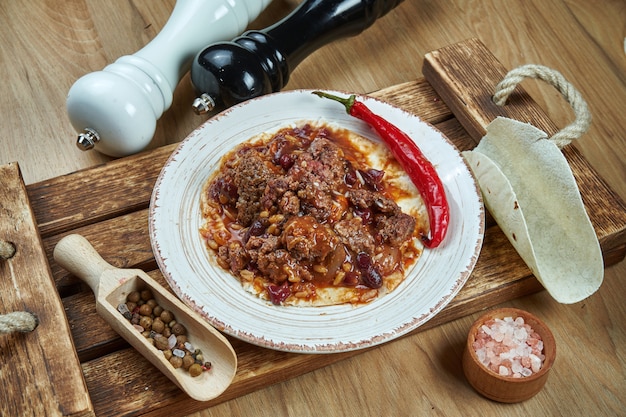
<point x="18" y="321"/>
<point x="7" y="250"/>
<point x="581" y="111"/>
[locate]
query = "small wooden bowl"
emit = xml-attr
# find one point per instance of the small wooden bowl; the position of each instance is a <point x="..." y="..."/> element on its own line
<point x="502" y="388"/>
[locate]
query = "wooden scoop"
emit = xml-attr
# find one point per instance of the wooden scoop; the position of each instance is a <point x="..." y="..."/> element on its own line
<point x="112" y="285"/>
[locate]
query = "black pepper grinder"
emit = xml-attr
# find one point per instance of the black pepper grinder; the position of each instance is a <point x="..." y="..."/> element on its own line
<point x="260" y="61"/>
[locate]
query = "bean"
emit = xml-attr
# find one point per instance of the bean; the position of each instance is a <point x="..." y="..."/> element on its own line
<point x="372" y="278"/>
<point x="363" y="260"/>
<point x="286" y="161"/>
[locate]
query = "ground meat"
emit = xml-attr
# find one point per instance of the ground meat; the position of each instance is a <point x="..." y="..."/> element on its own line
<point x="267" y="256"/>
<point x="272" y="265"/>
<point x="289" y="203"/>
<point x="307" y="239"/>
<point x="251" y="176"/>
<point x="260" y="245"/>
<point x="395" y="229"/>
<point x="315" y="201"/>
<point x="300" y="212"/>
<point x="373" y="200"/>
<point x="234" y="255"/>
<point x="331" y="169"/>
<point x="354" y="235"/>
<point x="323" y="166"/>
<point x="274" y="190"/>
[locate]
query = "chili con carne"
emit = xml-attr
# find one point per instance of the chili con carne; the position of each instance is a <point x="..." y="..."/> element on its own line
<point x="418" y="167"/>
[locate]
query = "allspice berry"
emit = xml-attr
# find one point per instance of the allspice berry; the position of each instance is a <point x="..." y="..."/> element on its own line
<point x="158" y="325"/>
<point x="160" y="328"/>
<point x="176" y="362"/>
<point x="145" y="310"/>
<point x="166" y="316"/>
<point x="160" y="342"/>
<point x="145" y="322"/>
<point x="195" y="370"/>
<point x="178" y="329"/>
<point x="133" y="297"/>
<point x="157" y="310"/>
<point x="146" y="295"/>
<point x="188" y="360"/>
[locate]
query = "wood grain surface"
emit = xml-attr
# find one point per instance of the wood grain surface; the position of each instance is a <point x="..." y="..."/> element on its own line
<point x="40" y="369"/>
<point x="46" y="45"/>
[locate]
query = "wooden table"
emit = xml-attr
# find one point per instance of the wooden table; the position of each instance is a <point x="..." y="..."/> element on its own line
<point x="416" y="375"/>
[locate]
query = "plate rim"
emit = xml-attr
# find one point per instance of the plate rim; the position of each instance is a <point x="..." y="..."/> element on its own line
<point x="309" y="346"/>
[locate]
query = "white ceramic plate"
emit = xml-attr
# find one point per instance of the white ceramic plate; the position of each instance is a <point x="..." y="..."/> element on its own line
<point x="175" y="221"/>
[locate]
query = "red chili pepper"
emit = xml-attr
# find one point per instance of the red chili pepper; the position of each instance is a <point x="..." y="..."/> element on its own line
<point x="419" y="169"/>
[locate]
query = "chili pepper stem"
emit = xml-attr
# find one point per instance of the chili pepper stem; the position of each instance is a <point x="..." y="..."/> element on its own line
<point x="347" y="102"/>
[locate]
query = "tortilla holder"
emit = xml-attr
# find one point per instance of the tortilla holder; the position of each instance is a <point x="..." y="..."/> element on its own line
<point x="528" y="186"/>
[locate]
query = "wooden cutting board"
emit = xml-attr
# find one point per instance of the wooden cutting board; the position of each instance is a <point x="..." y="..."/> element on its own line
<point x="108" y="205"/>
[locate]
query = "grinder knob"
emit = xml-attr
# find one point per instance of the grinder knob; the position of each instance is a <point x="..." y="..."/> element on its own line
<point x="260" y="61"/>
<point x="116" y="110"/>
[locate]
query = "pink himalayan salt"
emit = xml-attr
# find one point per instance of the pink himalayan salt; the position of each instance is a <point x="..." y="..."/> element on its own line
<point x="509" y="347"/>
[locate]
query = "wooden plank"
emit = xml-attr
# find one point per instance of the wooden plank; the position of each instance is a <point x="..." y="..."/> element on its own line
<point x="465" y="75"/>
<point x="39" y="370"/>
<point x="109" y="190"/>
<point x="147" y="393"/>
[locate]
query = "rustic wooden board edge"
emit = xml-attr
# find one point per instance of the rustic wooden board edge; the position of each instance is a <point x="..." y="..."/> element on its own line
<point x="41" y="371"/>
<point x="54" y="200"/>
<point x="465" y="75"/>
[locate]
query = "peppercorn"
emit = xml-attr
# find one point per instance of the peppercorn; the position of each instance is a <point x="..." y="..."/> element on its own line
<point x="167" y="332"/>
<point x="160" y="342"/>
<point x="157" y="310"/>
<point x="131" y="306"/>
<point x="159" y="327"/>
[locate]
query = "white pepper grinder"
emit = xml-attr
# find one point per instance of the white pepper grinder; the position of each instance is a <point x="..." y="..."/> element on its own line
<point x="116" y="110"/>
